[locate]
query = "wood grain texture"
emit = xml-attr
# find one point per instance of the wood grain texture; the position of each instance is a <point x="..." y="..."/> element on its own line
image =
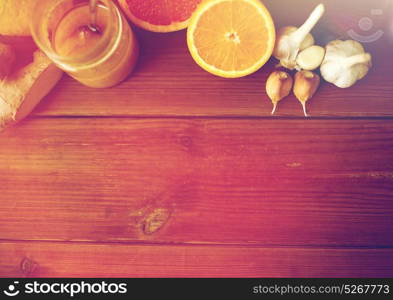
<point x="198" y="181"/>
<point x="50" y="259"/>
<point x="132" y="181"/>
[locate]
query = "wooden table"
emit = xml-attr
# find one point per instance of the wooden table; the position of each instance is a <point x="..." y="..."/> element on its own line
<point x="179" y="173"/>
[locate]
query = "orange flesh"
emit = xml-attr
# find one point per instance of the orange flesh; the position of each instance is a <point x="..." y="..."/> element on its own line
<point x="231" y="36"/>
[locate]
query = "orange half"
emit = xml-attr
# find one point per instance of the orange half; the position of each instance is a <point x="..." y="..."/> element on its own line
<point x="231" y="38"/>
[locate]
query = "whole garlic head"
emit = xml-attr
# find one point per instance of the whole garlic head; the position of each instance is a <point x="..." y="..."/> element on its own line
<point x="345" y="63"/>
<point x="285" y="51"/>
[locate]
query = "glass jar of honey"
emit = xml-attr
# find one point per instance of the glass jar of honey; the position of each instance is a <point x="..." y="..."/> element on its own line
<point x="98" y="55"/>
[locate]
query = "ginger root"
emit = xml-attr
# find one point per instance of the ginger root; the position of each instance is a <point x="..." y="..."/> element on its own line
<point x="22" y="90"/>
<point x="345" y="63"/>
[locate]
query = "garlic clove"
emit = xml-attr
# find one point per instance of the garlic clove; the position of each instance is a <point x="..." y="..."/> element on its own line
<point x="24" y="88"/>
<point x="306" y="84"/>
<point x="310" y="58"/>
<point x="278" y="86"/>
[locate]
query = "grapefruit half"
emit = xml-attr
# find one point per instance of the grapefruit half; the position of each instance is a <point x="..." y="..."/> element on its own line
<point x="159" y="15"/>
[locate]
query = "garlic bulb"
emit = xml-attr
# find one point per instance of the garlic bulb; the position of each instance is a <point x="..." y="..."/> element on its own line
<point x="291" y="40"/>
<point x="345" y="63"/>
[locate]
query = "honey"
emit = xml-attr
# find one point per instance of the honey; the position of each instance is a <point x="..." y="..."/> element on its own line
<point x="96" y="58"/>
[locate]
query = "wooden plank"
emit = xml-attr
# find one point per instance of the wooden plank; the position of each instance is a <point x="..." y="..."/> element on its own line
<point x="167" y="82"/>
<point x="231" y="181"/>
<point x="51" y="259"/>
